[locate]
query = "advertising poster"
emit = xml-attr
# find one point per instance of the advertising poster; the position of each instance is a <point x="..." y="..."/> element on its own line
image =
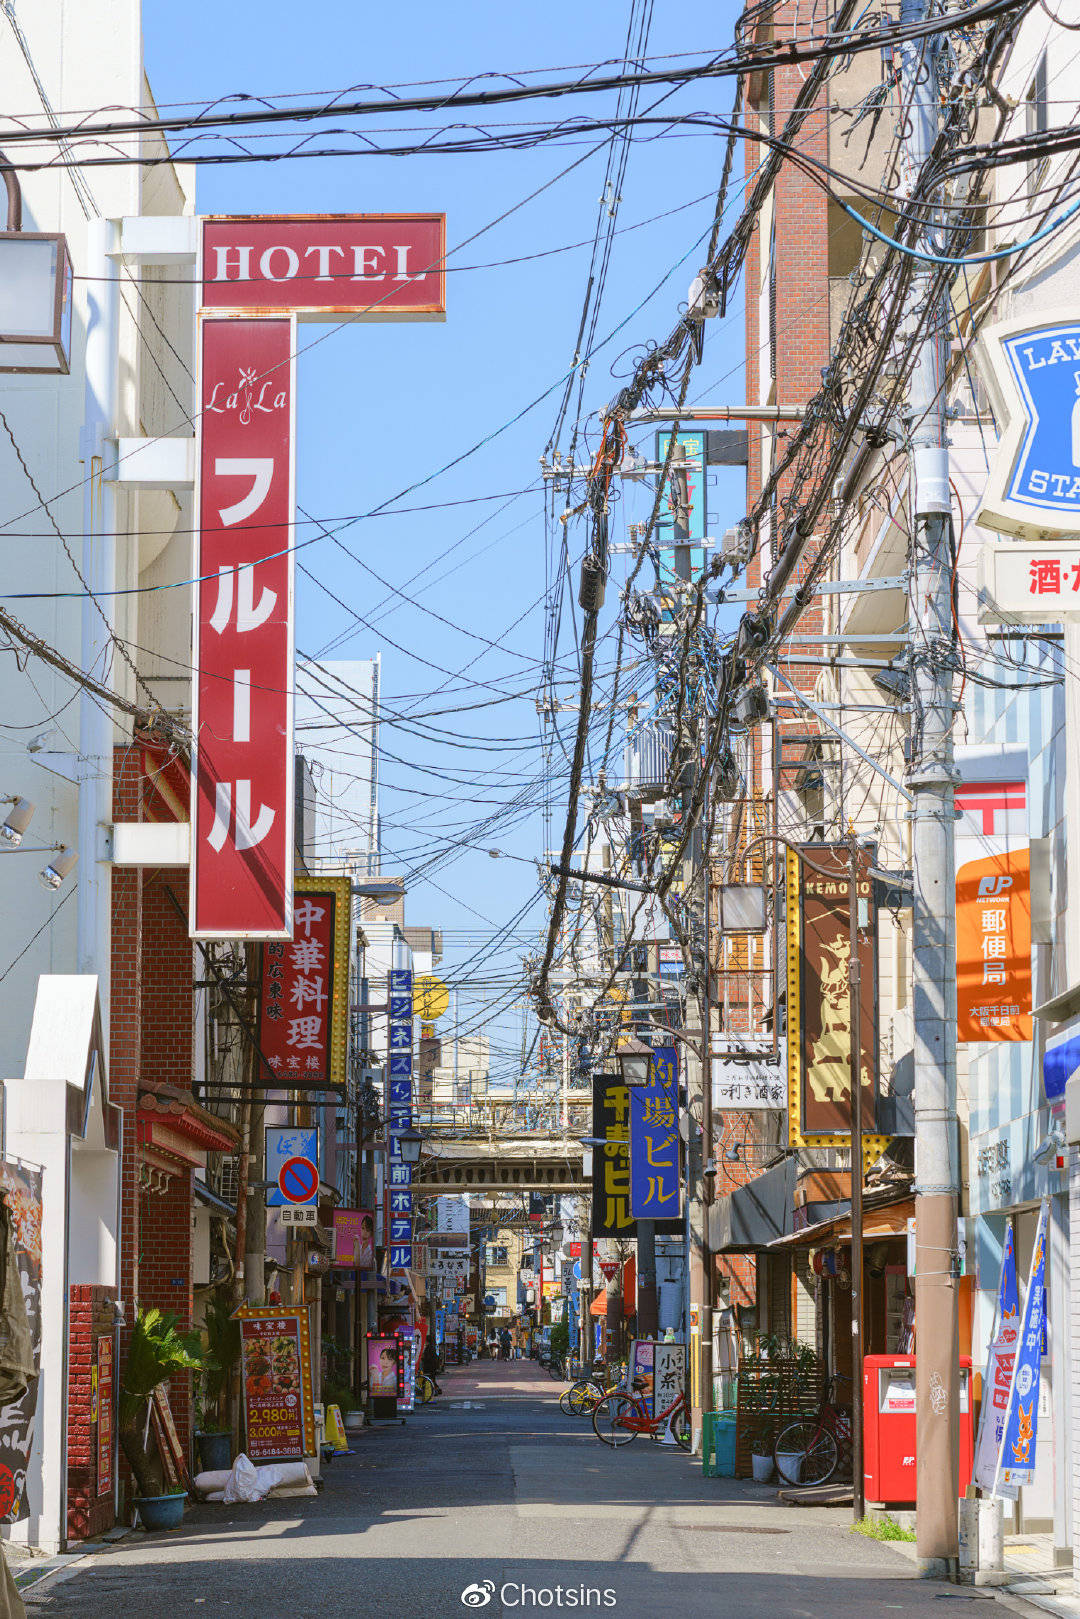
<point x="354" y="1238"/>
<point x="303" y="1015"/>
<point x="383" y="1360"/>
<point x="641" y="1371"/>
<point x="276" y="1367"/>
<point x="22" y="1193"/>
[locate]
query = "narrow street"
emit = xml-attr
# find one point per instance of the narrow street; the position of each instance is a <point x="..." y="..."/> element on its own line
<point x="493" y="1483"/>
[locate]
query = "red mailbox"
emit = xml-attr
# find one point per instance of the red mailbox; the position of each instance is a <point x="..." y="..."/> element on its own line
<point x="889" y="1427"/>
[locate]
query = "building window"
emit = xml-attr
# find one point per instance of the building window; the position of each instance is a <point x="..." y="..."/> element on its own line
<point x="1037" y="121"/>
<point x="496" y="1254"/>
<point x="496" y="1294"/>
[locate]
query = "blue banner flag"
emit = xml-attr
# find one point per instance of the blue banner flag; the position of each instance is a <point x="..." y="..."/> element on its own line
<point x="997" y="1380"/>
<point x="654" y="1140"/>
<point x="1016" y="1463"/>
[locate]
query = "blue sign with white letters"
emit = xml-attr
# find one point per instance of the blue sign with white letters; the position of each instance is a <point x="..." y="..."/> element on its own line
<point x="1045" y="366"/>
<point x="1061" y="1060"/>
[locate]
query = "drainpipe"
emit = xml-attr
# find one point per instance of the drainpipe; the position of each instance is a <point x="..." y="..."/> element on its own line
<point x="14" y="194"/>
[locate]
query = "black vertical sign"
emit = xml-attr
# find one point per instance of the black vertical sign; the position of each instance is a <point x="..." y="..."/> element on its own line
<point x="611" y="1215"/>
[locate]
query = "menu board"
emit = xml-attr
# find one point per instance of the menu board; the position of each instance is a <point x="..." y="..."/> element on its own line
<point x="278" y="1405"/>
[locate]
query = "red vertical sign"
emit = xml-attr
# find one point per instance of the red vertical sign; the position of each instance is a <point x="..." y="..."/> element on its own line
<point x="296" y="1007"/>
<point x="105" y="1415"/>
<point x="242" y="783"/>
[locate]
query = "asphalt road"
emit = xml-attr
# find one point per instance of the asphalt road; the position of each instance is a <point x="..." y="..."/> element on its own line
<point x="491" y="1492"/>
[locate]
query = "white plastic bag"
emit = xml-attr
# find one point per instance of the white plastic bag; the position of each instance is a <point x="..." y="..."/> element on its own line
<point x="244" y="1482"/>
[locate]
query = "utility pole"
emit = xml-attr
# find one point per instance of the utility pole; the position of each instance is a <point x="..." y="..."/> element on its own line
<point x="931" y="781"/>
<point x="698" y="1143"/>
<point x="855" y="1070"/>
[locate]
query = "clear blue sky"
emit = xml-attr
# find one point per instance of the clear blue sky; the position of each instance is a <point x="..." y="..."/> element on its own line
<point x="383" y="407"/>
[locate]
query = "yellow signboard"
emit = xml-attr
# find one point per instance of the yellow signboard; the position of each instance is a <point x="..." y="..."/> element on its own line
<point x="430" y="997"/>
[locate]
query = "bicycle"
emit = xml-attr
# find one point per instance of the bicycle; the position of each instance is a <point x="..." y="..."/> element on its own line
<point x="619" y="1418"/>
<point x="425" y="1388"/>
<point x="814" y="1447"/>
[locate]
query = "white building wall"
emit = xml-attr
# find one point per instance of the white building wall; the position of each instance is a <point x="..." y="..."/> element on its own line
<point x="88" y="55"/>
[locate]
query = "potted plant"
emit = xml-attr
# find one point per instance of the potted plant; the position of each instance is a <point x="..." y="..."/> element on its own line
<point x="761" y="1452"/>
<point x="221" y="1341"/>
<point x="157" y="1351"/>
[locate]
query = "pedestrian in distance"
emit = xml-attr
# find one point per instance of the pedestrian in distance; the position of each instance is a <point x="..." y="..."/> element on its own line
<point x="504" y="1343"/>
<point x="430" y="1362"/>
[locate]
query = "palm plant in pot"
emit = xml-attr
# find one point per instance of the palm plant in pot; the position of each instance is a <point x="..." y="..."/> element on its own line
<point x="157" y="1351"/>
<point x="221" y="1352"/>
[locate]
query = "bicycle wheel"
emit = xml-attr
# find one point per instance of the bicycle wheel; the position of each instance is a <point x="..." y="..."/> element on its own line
<point x="425" y="1388"/>
<point x="584" y="1395"/>
<point x="555" y="1368"/>
<point x="608" y="1419"/>
<point x="805" y="1452"/>
<point x="680" y="1428"/>
<point x="564" y="1402"/>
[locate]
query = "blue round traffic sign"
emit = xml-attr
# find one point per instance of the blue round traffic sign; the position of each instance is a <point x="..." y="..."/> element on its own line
<point x="298" y="1179"/>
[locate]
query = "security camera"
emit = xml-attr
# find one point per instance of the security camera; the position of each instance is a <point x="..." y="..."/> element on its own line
<point x="1051" y="1149"/>
<point x="59" y="867"/>
<point x="19" y="818"/>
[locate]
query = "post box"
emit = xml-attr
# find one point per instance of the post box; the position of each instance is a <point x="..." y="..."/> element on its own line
<point x="889" y="1428"/>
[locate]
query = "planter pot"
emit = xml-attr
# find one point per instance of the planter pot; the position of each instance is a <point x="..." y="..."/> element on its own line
<point x="215" y="1451"/>
<point x="159" y="1512"/>
<point x="789" y="1464"/>
<point x="762" y="1466"/>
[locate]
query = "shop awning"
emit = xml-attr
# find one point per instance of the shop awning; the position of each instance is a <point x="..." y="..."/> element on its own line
<point x="755" y="1215"/>
<point x="887" y="1220"/>
<point x="599" y="1305"/>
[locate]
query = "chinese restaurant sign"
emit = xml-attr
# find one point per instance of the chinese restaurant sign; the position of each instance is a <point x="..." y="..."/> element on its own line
<point x="818" y="967"/>
<point x="399" y="1114"/>
<point x="354" y="1238"/>
<point x="363" y="266"/>
<point x="993" y="912"/>
<point x="276" y="1369"/>
<point x="303" y="1009"/>
<point x="611" y="1216"/>
<point x="654" y="1141"/>
<point x="242" y="779"/>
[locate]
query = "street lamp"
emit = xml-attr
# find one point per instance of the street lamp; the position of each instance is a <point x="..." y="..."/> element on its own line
<point x="35" y="303"/>
<point x="409" y="1143"/>
<point x="635" y="1060"/>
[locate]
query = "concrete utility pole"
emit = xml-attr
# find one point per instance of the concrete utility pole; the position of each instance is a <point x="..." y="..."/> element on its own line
<point x="931" y="780"/>
<point x="855" y="1057"/>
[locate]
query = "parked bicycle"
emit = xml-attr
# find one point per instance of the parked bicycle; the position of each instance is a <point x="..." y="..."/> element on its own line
<point x="619" y="1418"/>
<point x="811" y="1449"/>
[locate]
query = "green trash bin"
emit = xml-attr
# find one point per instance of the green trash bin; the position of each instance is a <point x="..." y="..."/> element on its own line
<point x="718" y="1444"/>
